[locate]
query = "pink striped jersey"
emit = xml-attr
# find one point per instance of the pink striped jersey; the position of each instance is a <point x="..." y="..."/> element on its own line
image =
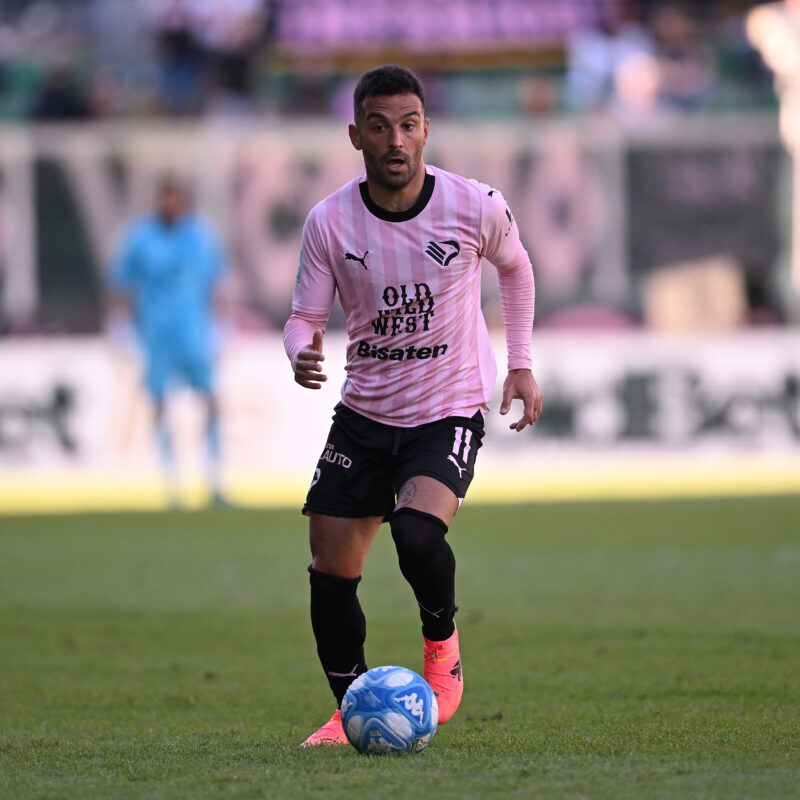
<point x="409" y="285"/>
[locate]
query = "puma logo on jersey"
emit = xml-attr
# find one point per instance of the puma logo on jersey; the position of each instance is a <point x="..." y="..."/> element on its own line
<point x="443" y="252"/>
<point x="362" y="260"/>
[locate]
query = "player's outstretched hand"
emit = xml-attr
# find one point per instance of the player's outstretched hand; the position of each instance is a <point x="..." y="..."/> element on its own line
<point x="308" y="366"/>
<point x="521" y="385"/>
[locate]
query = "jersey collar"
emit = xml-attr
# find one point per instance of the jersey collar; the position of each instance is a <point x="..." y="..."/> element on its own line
<point x="399" y="216"/>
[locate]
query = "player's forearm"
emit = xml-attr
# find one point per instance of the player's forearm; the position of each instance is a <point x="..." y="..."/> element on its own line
<point x="517" y="296"/>
<point x="299" y="331"/>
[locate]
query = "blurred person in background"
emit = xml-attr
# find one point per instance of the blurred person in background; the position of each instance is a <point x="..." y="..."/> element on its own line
<point x="230" y="32"/>
<point x="4" y="233"/>
<point x="206" y="52"/>
<point x="168" y="271"/>
<point x="685" y="63"/>
<point x="402" y="247"/>
<point x="182" y="62"/>
<point x="743" y="81"/>
<point x="636" y="91"/>
<point x="595" y="54"/>
<point x="774" y="28"/>
<point x="61" y="98"/>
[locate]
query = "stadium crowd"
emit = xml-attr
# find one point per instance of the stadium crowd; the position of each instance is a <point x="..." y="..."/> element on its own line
<point x="81" y="59"/>
<point x="620" y="238"/>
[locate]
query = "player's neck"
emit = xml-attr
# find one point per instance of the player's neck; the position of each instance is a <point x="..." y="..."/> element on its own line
<point x="398" y="199"/>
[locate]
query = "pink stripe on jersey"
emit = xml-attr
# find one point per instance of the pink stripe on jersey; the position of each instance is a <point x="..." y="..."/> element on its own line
<point x="409" y="285"/>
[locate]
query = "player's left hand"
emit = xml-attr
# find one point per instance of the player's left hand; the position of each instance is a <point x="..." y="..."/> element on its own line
<point x="521" y="385"/>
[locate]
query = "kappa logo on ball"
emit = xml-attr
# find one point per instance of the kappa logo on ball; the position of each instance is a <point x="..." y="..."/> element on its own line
<point x="413" y="705"/>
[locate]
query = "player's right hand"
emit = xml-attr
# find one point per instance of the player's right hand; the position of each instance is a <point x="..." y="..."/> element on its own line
<point x="308" y="367"/>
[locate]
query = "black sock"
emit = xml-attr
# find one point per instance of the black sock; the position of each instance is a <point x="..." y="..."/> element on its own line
<point x="428" y="564"/>
<point x="339" y="628"/>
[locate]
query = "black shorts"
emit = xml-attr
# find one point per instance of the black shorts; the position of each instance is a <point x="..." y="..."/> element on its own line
<point x="365" y="463"/>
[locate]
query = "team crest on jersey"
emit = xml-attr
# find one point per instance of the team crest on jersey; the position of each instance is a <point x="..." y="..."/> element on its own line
<point x="443" y="252"/>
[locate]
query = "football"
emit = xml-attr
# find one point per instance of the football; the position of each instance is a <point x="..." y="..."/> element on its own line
<point x="389" y="710"/>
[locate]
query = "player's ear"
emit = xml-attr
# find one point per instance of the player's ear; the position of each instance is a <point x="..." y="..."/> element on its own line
<point x="425" y="123"/>
<point x="355" y="138"/>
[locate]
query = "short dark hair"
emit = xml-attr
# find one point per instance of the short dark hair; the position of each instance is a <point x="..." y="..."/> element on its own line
<point x="385" y="81"/>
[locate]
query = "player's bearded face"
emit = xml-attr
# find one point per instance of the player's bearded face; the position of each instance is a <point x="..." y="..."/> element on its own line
<point x="391" y="134"/>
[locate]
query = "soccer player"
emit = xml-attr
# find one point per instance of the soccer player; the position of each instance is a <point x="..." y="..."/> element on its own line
<point x="402" y="245"/>
<point x="169" y="267"/>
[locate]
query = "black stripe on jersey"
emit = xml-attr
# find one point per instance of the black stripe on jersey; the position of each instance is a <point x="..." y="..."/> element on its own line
<point x="399" y="216"/>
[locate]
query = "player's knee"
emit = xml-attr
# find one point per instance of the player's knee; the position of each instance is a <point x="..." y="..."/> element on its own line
<point x="416" y="534"/>
<point x="332" y="589"/>
<point x="329" y="584"/>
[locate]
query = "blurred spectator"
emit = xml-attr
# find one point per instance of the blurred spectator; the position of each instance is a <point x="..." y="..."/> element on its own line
<point x="594" y="55"/>
<point x="183" y="64"/>
<point x="537" y="96"/>
<point x="775" y="29"/>
<point x="123" y="58"/>
<point x="684" y="63"/>
<point x="742" y="80"/>
<point x="169" y="268"/>
<point x="60" y="98"/>
<point x="206" y="51"/>
<point x="3" y="250"/>
<point x="636" y="90"/>
<point x="229" y="31"/>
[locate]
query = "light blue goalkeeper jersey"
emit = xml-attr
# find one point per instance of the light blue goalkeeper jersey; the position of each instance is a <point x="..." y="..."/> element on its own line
<point x="170" y="273"/>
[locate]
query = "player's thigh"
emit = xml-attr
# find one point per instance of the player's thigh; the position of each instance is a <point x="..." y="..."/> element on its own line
<point x="437" y="465"/>
<point x="339" y="545"/>
<point x="430" y="495"/>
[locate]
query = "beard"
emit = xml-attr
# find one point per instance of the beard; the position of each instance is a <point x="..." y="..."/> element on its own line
<point x="377" y="169"/>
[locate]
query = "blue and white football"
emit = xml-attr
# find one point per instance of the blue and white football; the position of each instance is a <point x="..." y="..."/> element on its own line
<point x="389" y="710"/>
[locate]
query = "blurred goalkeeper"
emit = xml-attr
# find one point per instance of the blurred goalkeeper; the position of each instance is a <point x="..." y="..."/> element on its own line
<point x="402" y="247"/>
<point x="168" y="269"/>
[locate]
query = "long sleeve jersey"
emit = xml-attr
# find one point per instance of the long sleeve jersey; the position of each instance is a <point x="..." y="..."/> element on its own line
<point x="409" y="284"/>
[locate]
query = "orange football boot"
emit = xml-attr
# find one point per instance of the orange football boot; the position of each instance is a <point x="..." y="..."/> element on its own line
<point x="442" y="670"/>
<point x="330" y="733"/>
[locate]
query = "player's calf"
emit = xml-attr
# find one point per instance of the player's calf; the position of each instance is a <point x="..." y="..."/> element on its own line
<point x="339" y="629"/>
<point x="428" y="564"/>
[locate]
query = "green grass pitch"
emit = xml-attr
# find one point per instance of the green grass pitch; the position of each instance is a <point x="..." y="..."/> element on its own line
<point x="610" y="650"/>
